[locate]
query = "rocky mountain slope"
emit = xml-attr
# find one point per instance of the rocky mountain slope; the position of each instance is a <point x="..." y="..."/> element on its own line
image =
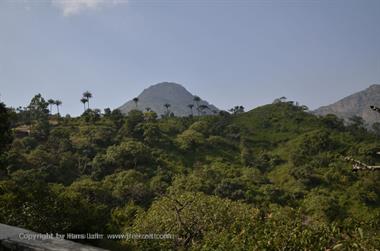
<point x="357" y="104"/>
<point x="156" y="96"/>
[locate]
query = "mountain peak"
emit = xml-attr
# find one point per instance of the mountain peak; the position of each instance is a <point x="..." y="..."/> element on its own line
<point x="164" y="88"/>
<point x="166" y="85"/>
<point x="156" y="96"/>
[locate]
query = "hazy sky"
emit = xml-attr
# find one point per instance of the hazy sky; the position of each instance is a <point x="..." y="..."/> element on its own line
<point x="229" y="52"/>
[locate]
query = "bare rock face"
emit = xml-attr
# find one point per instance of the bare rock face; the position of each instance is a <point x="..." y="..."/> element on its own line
<point x="179" y="99"/>
<point x="357" y="104"/>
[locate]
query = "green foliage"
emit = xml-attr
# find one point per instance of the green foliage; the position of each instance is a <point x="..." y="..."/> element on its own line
<point x="5" y="127"/>
<point x="237" y="109"/>
<point x="91" y="116"/>
<point x="323" y="206"/>
<point x="128" y="154"/>
<point x="151" y="133"/>
<point x="333" y="122"/>
<point x="38" y="106"/>
<point x="310" y="145"/>
<point x="190" y="139"/>
<point x="273" y="178"/>
<point x="134" y="118"/>
<point x="124" y="217"/>
<point x="193" y="217"/>
<point x="128" y="185"/>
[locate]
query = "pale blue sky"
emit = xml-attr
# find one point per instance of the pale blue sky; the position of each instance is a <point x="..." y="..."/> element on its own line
<point x="229" y="52"/>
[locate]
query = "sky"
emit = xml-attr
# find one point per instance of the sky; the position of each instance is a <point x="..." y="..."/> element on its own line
<point x="228" y="52"/>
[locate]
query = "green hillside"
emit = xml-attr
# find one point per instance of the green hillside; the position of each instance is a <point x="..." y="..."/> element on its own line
<point x="273" y="178"/>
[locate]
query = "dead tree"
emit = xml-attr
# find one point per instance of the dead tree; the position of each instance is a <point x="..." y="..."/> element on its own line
<point x="358" y="165"/>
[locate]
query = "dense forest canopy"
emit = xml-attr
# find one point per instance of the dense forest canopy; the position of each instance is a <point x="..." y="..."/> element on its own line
<point x="273" y="178"/>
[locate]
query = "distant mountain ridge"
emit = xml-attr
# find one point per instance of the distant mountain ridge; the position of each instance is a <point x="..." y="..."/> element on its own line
<point x="156" y="96"/>
<point x="357" y="104"/>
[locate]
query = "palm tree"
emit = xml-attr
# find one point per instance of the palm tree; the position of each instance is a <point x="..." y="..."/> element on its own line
<point x="84" y="101"/>
<point x="87" y="95"/>
<point x="167" y="108"/>
<point x="58" y="103"/>
<point x="197" y="100"/>
<point x="136" y="100"/>
<point x="191" y="108"/>
<point x="51" y="102"/>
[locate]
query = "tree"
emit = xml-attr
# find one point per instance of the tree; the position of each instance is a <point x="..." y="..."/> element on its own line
<point x="322" y="205"/>
<point x="5" y="131"/>
<point x="129" y="185"/>
<point x="150" y="116"/>
<point x="84" y="101"/>
<point x="167" y="106"/>
<point x="38" y="106"/>
<point x="196" y="218"/>
<point x="190" y="139"/>
<point x="237" y="109"/>
<point x="311" y="145"/>
<point x="357" y="122"/>
<point x="279" y="100"/>
<point x="130" y="154"/>
<point x="197" y="99"/>
<point x="117" y="118"/>
<point x="58" y="103"/>
<point x="134" y="118"/>
<point x="376" y="128"/>
<point x="38" y="114"/>
<point x="283" y="99"/>
<point x="136" y="100"/>
<point x="87" y="95"/>
<point x="203" y="108"/>
<point x="51" y="103"/>
<point x="246" y="155"/>
<point x="333" y="122"/>
<point x="357" y="126"/>
<point x="151" y="133"/>
<point x="107" y="112"/>
<point x="191" y="108"/>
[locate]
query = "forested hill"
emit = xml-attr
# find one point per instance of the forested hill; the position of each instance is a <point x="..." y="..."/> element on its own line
<point x="273" y="178"/>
